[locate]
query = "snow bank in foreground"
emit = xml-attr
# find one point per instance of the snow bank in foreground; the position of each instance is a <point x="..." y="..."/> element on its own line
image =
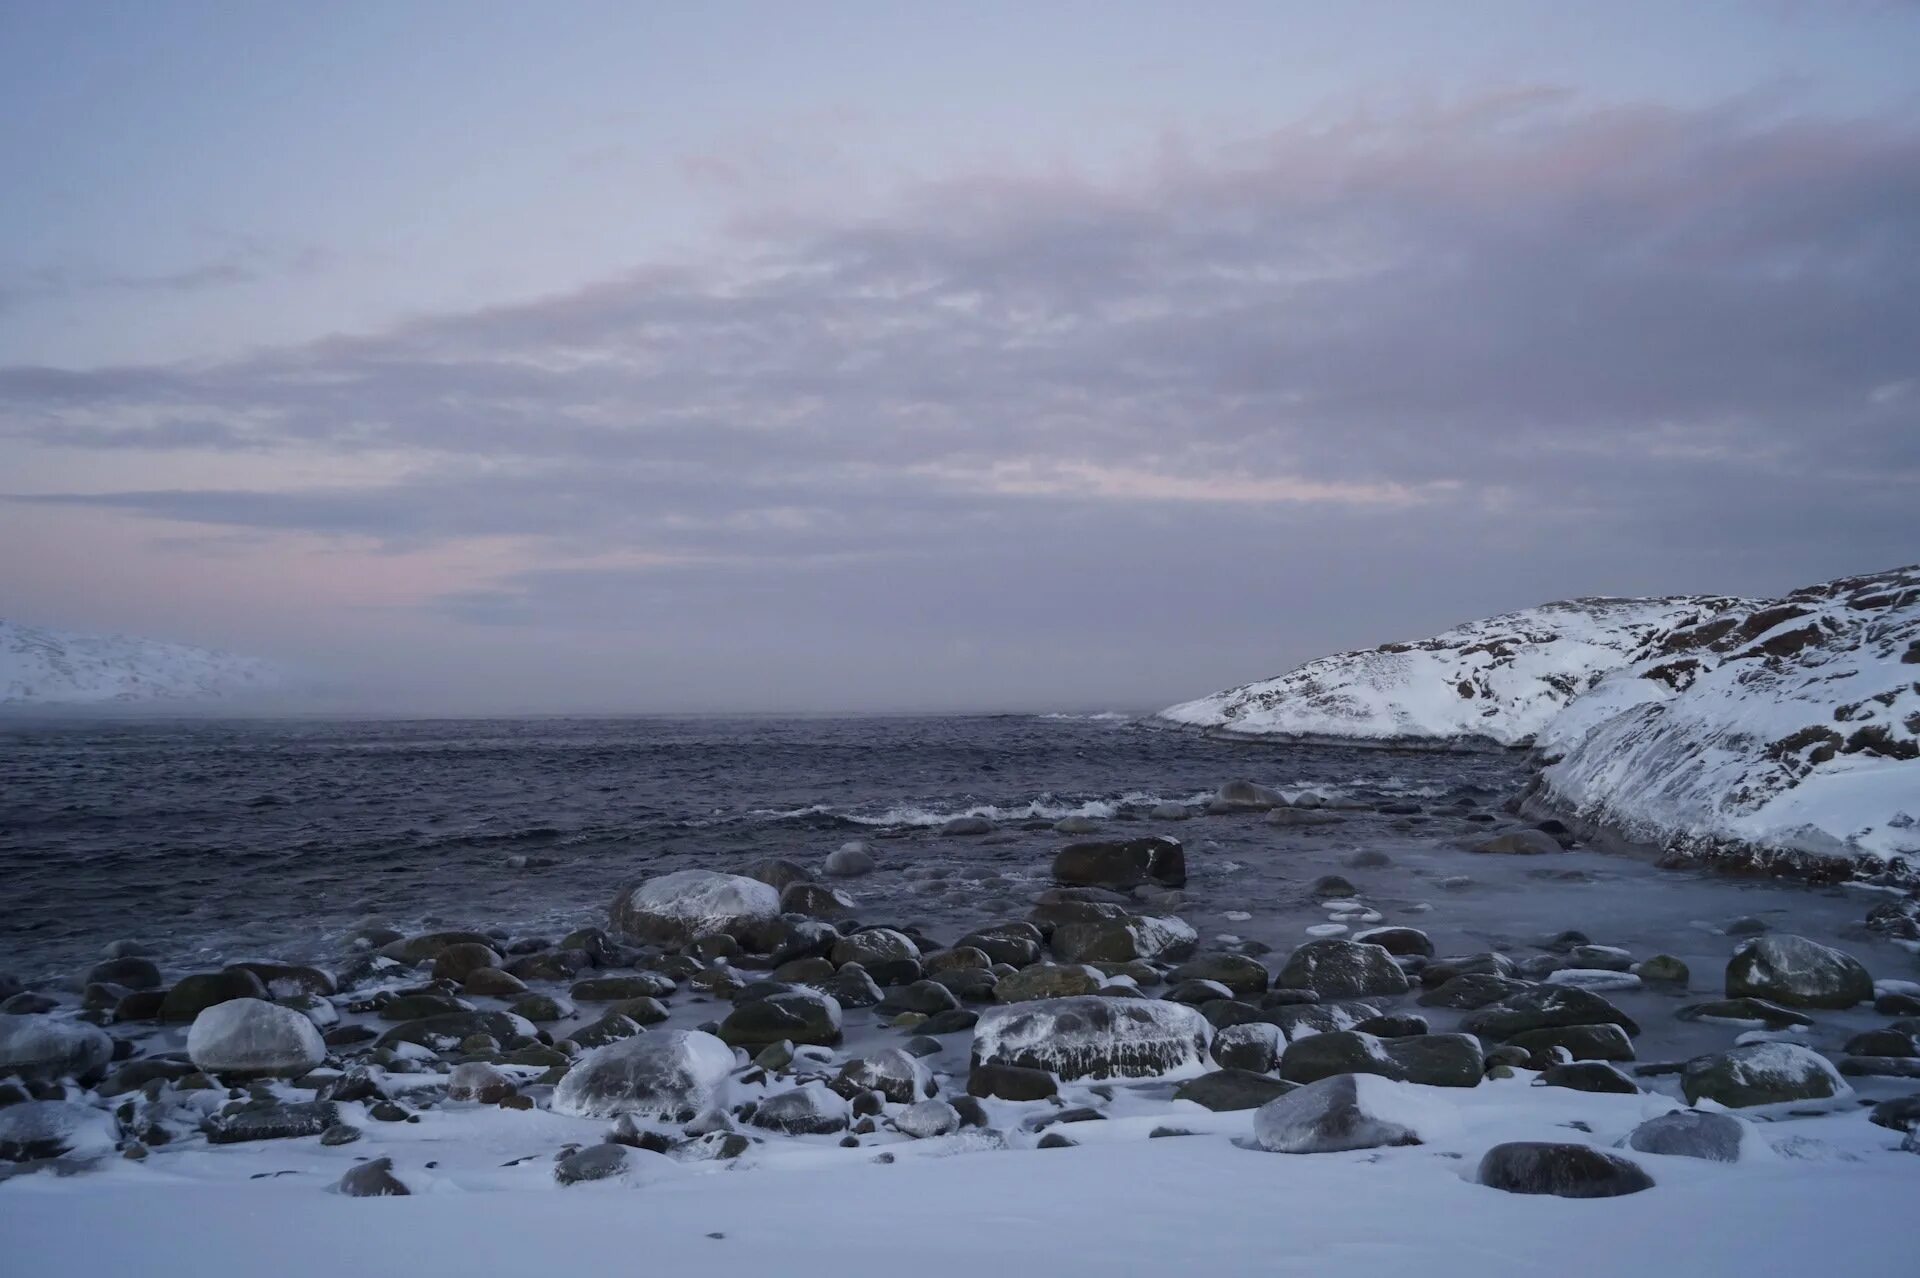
<point x="1500" y="680"/>
<point x="58" y="667"/>
<point x="1783" y="733"/>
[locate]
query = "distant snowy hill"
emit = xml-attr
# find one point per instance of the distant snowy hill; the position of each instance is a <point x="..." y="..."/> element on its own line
<point x="1501" y="680"/>
<point x="56" y="667"/>
<point x="1785" y="731"/>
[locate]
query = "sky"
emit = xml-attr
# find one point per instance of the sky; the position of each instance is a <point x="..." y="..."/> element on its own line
<point x="486" y="357"/>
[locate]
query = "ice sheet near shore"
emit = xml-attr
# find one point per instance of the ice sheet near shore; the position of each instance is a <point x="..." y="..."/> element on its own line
<point x="39" y="666"/>
<point x="1789" y="724"/>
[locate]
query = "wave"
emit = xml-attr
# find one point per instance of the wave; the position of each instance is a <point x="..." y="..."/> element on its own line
<point x="1046" y="806"/>
<point x="1104" y="716"/>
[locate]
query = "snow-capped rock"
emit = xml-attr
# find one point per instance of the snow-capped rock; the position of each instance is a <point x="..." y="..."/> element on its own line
<point x="57" y="667"/>
<point x="1497" y="681"/>
<point x="1785" y="734"/>
<point x="1094" y="1037"/>
<point x="671" y="1074"/>
<point x="247" y="1036"/>
<point x="682" y="907"/>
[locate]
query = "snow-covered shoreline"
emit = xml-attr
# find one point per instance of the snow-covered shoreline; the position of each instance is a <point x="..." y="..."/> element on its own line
<point x="46" y="668"/>
<point x="1778" y="736"/>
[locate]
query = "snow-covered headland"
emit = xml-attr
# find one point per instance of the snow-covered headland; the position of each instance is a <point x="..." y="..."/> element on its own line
<point x="1779" y="735"/>
<point x="42" y="667"/>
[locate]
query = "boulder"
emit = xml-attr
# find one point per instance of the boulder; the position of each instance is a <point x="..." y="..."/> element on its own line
<point x="776" y="872"/>
<point x="671" y="1074"/>
<point x="1046" y="980"/>
<point x="800" y="1015"/>
<point x="1470" y="991"/>
<point x="445" y="1033"/>
<point x="1254" y="1046"/>
<point x="1588" y="1076"/>
<point x="1122" y="866"/>
<point x="816" y="901"/>
<point x="809" y="1110"/>
<point x="42" y="1050"/>
<point x="1335" y="968"/>
<point x="1245" y="796"/>
<point x="130" y="973"/>
<point x="1437" y="1060"/>
<point x="1243" y="977"/>
<point x="1095" y="1037"/>
<point x="270" y="1120"/>
<point x="1545" y="1007"/>
<point x="1398" y="941"/>
<point x="679" y="908"/>
<point x="192" y="995"/>
<point x="850" y="860"/>
<point x="1017" y="943"/>
<point x="888" y="956"/>
<point x="1010" y="1082"/>
<point x="1226" y="1090"/>
<point x="615" y="989"/>
<point x="1689" y="1133"/>
<point x="1581" y="1042"/>
<point x="250" y="1038"/>
<point x="606" y="1161"/>
<point x="1343" y="1112"/>
<point x="37" y="1129"/>
<point x="928" y="1118"/>
<point x="371" y="1179"/>
<point x="1761" y="1074"/>
<point x="479" y="1082"/>
<point x="1123" y="938"/>
<point x="1563" y="1170"/>
<point x="1797" y="972"/>
<point x="895" y="1074"/>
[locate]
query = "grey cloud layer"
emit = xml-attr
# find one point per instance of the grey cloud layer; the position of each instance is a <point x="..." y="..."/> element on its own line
<point x="1676" y="342"/>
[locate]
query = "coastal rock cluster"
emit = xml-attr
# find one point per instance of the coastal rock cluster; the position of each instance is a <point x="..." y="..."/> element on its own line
<point x="706" y="1022"/>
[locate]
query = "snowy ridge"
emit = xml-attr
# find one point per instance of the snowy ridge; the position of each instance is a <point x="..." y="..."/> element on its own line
<point x="56" y="667"/>
<point x="1778" y="735"/>
<point x="1499" y="681"/>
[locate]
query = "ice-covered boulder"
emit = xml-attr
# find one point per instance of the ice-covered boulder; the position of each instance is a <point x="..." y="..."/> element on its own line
<point x="1124" y="938"/>
<point x="1346" y="1111"/>
<point x="928" y="1118"/>
<point x="899" y="1077"/>
<point x="680" y="908"/>
<point x="890" y="957"/>
<point x="41" y="1049"/>
<point x="1545" y="1007"/>
<point x="850" y="860"/>
<point x="55" y="1129"/>
<point x="1563" y="1170"/>
<point x="1762" y="1074"/>
<point x="1797" y="972"/>
<point x="809" y="1110"/>
<point x="675" y="1074"/>
<point x="1335" y="968"/>
<point x="251" y="1038"/>
<point x="1095" y="1037"/>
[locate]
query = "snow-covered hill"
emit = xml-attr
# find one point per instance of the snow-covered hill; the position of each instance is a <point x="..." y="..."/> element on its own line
<point x="1783" y="734"/>
<point x="1501" y="680"/>
<point x="57" y="667"/>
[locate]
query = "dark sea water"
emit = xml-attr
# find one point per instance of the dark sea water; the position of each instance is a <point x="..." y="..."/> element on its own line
<point x="236" y="836"/>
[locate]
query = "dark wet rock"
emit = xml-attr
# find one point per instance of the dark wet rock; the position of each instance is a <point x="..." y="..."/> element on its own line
<point x="1015" y="943"/>
<point x="340" y="1134"/>
<point x="1745" y="1011"/>
<point x="852" y="987"/>
<point x="1338" y="1113"/>
<point x="800" y="1015"/>
<point x="419" y="949"/>
<point x="1397" y="1026"/>
<point x="968" y="984"/>
<point x="443" y="1033"/>
<point x="457" y="962"/>
<point x="954" y="1022"/>
<point x="192" y="995"/>
<point x="1798" y="973"/>
<point x="1094" y="1037"/>
<point x="1545" y="1007"/>
<point x="1882" y="1042"/>
<point x="542" y="1009"/>
<point x="1398" y="941"/>
<point x="1439" y="971"/>
<point x="42" y="1050"/>
<point x="1880" y="1066"/>
<point x="1121" y="866"/>
<point x="1471" y="991"/>
<point x="612" y="989"/>
<point x="1895" y="1004"/>
<point x="1437" y="1060"/>
<point x="1761" y="1074"/>
<point x="128" y="973"/>
<point x="28" y="1003"/>
<point x="609" y="1028"/>
<point x="607" y="1161"/>
<point x="551" y="965"/>
<point x="372" y="1179"/>
<point x="1337" y="968"/>
<point x="1579" y="1042"/>
<point x="492" y="982"/>
<point x="1243" y="977"/>
<point x="417" y="1007"/>
<point x="1245" y="796"/>
<point x="270" y="1120"/>
<point x="1368" y="859"/>
<point x="1902" y="1113"/>
<point x="777" y="872"/>
<point x="1010" y="1082"/>
<point x="965" y="826"/>
<point x="1200" y="993"/>
<point x="1565" y="1171"/>
<point x="249" y="1038"/>
<point x="1046" y="980"/>
<point x="1328" y="886"/>
<point x="888" y="956"/>
<point x="816" y="900"/>
<point x="1588" y="1076"/>
<point x="671" y="1074"/>
<point x="1123" y="937"/>
<point x="1056" y="1140"/>
<point x="956" y="958"/>
<point x="136" y="1074"/>
<point x="1662" y="969"/>
<point x="809" y="1110"/>
<point x="679" y="908"/>
<point x="1231" y="1089"/>
<point x="925" y="997"/>
<point x="1689" y="1133"/>
<point x="1518" y="843"/>
<point x="1300" y="1020"/>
